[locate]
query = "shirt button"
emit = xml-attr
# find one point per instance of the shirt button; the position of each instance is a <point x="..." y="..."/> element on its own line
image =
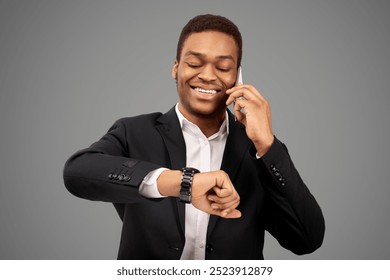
<point x="201" y="245"/>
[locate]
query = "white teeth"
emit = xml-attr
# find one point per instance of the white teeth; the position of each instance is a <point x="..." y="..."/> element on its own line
<point x="209" y="91"/>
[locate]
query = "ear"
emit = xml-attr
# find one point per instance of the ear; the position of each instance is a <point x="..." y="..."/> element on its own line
<point x="174" y="69"/>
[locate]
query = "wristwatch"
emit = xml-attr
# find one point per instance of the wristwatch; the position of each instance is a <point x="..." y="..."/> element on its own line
<point x="186" y="184"/>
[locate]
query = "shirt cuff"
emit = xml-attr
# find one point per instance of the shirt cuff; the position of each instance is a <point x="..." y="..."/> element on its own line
<point x="148" y="187"/>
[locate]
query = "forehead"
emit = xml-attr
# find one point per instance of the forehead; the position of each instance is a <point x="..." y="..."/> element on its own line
<point x="211" y="44"/>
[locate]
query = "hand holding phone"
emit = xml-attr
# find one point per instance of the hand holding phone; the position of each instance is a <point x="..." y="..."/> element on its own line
<point x="253" y="112"/>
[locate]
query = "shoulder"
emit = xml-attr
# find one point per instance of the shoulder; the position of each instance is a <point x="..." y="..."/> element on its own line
<point x="140" y="126"/>
<point x="139" y="120"/>
<point x="144" y="120"/>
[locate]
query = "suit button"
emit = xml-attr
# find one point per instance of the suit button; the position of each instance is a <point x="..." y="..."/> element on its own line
<point x="173" y="247"/>
<point x="110" y="176"/>
<point x="274" y="169"/>
<point x="120" y="177"/>
<point x="126" y="178"/>
<point x="209" y="248"/>
<point x="115" y="176"/>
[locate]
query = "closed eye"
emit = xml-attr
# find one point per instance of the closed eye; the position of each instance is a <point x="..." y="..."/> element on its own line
<point x="193" y="65"/>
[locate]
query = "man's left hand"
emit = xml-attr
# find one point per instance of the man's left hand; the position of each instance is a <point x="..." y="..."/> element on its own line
<point x="254" y="112"/>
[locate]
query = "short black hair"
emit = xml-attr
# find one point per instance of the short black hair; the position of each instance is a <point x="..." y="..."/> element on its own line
<point x="210" y="22"/>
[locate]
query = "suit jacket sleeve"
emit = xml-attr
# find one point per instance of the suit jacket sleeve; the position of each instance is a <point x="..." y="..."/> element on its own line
<point x="104" y="171"/>
<point x="293" y="216"/>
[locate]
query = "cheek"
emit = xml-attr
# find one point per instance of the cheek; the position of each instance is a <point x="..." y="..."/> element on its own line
<point x="229" y="82"/>
<point x="182" y="75"/>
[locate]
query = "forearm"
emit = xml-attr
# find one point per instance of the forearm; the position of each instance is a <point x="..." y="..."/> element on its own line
<point x="103" y="177"/>
<point x="297" y="219"/>
<point x="168" y="183"/>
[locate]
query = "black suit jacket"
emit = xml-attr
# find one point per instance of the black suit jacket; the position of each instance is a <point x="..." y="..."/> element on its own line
<point x="273" y="195"/>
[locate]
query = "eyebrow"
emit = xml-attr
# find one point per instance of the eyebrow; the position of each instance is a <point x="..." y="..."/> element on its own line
<point x="201" y="55"/>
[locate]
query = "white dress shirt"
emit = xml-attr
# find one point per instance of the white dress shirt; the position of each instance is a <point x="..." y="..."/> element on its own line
<point x="204" y="154"/>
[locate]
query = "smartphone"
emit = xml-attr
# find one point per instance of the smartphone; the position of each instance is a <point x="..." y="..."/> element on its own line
<point x="239" y="76"/>
<point x="238" y="82"/>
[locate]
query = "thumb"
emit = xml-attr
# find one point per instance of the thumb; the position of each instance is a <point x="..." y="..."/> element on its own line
<point x="232" y="215"/>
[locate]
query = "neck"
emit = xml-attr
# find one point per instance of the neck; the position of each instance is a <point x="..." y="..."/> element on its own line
<point x="208" y="124"/>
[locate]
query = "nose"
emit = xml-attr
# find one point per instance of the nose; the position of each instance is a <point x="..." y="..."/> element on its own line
<point x="207" y="74"/>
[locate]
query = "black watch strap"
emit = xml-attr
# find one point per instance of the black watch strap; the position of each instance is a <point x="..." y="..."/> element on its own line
<point x="186" y="184"/>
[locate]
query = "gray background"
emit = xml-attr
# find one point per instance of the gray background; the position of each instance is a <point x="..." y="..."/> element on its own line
<point x="69" y="69"/>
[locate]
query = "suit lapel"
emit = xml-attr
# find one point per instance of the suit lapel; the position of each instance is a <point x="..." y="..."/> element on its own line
<point x="235" y="150"/>
<point x="172" y="135"/>
<point x="170" y="131"/>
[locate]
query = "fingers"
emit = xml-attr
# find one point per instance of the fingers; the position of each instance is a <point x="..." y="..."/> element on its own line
<point x="225" y="208"/>
<point x="248" y="92"/>
<point x="239" y="109"/>
<point x="223" y="196"/>
<point x="214" y="193"/>
<point x="254" y="112"/>
<point x="234" y="214"/>
<point x="225" y="200"/>
<point x="231" y="204"/>
<point x="227" y="213"/>
<point x="247" y="102"/>
<point x="224" y="191"/>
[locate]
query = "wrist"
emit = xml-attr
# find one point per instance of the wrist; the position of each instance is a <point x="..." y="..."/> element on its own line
<point x="263" y="146"/>
<point x="168" y="183"/>
<point x="186" y="184"/>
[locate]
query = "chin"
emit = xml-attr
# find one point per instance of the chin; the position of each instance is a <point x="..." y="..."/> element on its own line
<point x="207" y="110"/>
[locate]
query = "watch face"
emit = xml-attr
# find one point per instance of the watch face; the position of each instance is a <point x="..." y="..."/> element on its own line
<point x="190" y="170"/>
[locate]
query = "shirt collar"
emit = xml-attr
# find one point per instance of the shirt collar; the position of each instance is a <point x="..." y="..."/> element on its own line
<point x="183" y="121"/>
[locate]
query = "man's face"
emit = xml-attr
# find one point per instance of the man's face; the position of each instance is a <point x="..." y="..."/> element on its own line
<point x="207" y="68"/>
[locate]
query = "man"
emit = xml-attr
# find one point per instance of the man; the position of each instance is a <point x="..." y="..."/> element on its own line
<point x="199" y="182"/>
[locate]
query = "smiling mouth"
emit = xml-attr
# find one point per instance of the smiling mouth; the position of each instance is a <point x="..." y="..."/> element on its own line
<point x="206" y="91"/>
